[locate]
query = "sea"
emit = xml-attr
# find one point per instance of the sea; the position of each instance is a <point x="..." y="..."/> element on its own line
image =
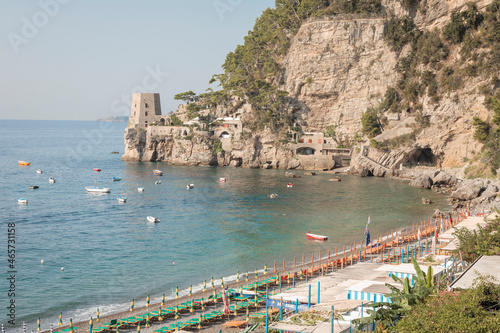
<point x="111" y="254"/>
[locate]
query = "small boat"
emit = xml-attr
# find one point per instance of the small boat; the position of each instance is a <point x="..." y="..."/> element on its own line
<point x="140" y="189"/>
<point x="157" y="172"/>
<point x="34" y="187"/>
<point x="316" y="237"/>
<point x="97" y="169"/>
<point x="22" y="201"/>
<point x="122" y="199"/>
<point x="115" y="152"/>
<point x="335" y="179"/>
<point x="52" y="180"/>
<point x="190" y="186"/>
<point x="222" y="179"/>
<point x="95" y="189"/>
<point x="289" y="185"/>
<point x="24" y="163"/>
<point x="272" y="196"/>
<point x="158" y="182"/>
<point x="152" y="219"/>
<point x="116" y="179"/>
<point x="39" y="171"/>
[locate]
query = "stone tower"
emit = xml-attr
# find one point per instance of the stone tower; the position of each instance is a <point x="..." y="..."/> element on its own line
<point x="146" y="109"/>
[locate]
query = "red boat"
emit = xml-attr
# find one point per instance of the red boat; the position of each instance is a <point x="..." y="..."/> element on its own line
<point x="316" y="237"/>
<point x="97" y="169"/>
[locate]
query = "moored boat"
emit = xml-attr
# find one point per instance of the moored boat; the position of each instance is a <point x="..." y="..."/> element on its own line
<point x="158" y="182"/>
<point x="222" y="179"/>
<point x="52" y="180"/>
<point x="190" y="186"/>
<point x="316" y="237"/>
<point x="122" y="199"/>
<point x="140" y="189"/>
<point x="95" y="189"/>
<point x="39" y="171"/>
<point x="34" y="187"/>
<point x="157" y="172"/>
<point x="24" y="163"/>
<point x="116" y="179"/>
<point x="97" y="169"/>
<point x="152" y="219"/>
<point x="289" y="185"/>
<point x="22" y="201"/>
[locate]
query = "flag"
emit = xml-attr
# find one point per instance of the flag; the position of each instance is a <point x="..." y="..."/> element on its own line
<point x="367" y="232"/>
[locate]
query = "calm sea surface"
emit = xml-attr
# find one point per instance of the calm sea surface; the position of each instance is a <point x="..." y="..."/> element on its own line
<point x="110" y="253"/>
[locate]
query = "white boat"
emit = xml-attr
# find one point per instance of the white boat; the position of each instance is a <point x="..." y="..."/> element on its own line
<point x="115" y="179"/>
<point x="140" y="189"/>
<point x="39" y="171"/>
<point x="157" y="172"/>
<point x="22" y="201"/>
<point x="158" y="182"/>
<point x="316" y="237"/>
<point x="222" y="179"/>
<point x="190" y="186"/>
<point x="289" y="185"/>
<point x="122" y="199"/>
<point x="95" y="189"/>
<point x="152" y="219"/>
<point x="52" y="180"/>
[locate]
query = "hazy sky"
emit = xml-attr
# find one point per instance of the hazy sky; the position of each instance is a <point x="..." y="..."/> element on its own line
<point x="83" y="59"/>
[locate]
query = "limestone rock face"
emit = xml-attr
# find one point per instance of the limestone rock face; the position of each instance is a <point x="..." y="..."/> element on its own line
<point x="444" y="178"/>
<point x="468" y="192"/>
<point x="424" y="181"/>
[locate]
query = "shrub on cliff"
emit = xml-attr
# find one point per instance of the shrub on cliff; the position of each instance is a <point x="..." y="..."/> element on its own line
<point x="399" y="32"/>
<point x="370" y="123"/>
<point x="482" y="129"/>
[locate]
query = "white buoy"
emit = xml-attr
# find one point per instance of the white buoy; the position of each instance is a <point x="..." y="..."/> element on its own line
<point x="62" y="269"/>
<point x="41" y="261"/>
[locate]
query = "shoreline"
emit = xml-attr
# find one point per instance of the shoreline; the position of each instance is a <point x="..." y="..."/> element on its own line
<point x="308" y="266"/>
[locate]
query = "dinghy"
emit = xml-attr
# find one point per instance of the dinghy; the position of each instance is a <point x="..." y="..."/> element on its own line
<point x="152" y="219"/>
<point x="22" y="201"/>
<point x="316" y="237"/>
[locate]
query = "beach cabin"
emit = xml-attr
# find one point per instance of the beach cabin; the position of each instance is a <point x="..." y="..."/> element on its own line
<point x="408" y="270"/>
<point x="370" y="291"/>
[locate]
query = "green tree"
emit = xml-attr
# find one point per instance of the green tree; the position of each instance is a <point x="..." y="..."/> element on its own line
<point x="370" y="123"/>
<point x="473" y="243"/>
<point x="187" y="96"/>
<point x="482" y="130"/>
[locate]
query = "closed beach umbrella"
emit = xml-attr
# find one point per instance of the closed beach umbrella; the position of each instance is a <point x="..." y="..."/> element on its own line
<point x="202" y="304"/>
<point x="212" y="281"/>
<point x="256" y="274"/>
<point x="163" y="300"/>
<point x="90" y="325"/>
<point x="24" y="327"/>
<point x="38" y="324"/>
<point x="199" y="322"/>
<point x="176" y="312"/>
<point x="71" y="325"/>
<point x="97" y="319"/>
<point x="215" y="297"/>
<point x="248" y="314"/>
<point x="246" y="276"/>
<point x="138" y="328"/>
<point x="132" y="305"/>
<point x="160" y="318"/>
<point x="190" y="290"/>
<point x="265" y="269"/>
<point x="222" y="282"/>
<point x="3" y="329"/>
<point x="51" y="328"/>
<point x="147" y="321"/>
<point x="238" y="276"/>
<point x="192" y="306"/>
<point x="226" y="302"/>
<point x="177" y="292"/>
<point x="60" y="320"/>
<point x="147" y="301"/>
<point x="204" y="285"/>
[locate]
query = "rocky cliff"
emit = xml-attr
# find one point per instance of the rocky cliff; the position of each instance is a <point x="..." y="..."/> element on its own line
<point x="336" y="69"/>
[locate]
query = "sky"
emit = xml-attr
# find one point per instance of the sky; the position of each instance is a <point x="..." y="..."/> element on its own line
<point x="83" y="59"/>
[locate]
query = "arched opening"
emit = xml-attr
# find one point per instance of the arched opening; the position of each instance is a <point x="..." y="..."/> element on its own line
<point x="184" y="133"/>
<point x="423" y="157"/>
<point x="305" y="151"/>
<point x="225" y="135"/>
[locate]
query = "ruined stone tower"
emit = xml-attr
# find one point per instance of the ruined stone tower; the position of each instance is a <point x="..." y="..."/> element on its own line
<point x="146" y="109"/>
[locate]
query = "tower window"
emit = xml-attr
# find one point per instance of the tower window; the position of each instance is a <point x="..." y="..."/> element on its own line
<point x="146" y="113"/>
<point x="146" y="104"/>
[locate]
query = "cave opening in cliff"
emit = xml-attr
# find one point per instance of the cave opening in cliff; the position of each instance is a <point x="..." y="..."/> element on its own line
<point x="305" y="151"/>
<point x="423" y="157"/>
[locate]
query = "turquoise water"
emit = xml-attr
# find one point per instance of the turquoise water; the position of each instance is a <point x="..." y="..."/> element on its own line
<point x="110" y="253"/>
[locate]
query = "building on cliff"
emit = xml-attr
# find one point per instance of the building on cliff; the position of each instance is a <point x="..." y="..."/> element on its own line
<point x="146" y="110"/>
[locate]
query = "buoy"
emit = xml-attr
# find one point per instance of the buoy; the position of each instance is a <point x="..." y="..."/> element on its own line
<point x="173" y="263"/>
<point x="62" y="269"/>
<point x="41" y="261"/>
